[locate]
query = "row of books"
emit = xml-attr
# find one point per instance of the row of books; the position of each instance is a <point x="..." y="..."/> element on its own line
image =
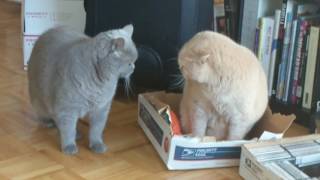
<point x="285" y="37"/>
<point x="287" y="44"/>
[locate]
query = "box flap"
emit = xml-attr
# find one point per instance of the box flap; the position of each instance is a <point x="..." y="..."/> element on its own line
<point x="273" y="123"/>
<point x="161" y="100"/>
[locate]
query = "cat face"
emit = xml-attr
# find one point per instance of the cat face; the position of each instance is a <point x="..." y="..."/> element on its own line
<point x="116" y="47"/>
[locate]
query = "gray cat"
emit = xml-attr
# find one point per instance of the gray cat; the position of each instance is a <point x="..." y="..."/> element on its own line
<point x="72" y="76"/>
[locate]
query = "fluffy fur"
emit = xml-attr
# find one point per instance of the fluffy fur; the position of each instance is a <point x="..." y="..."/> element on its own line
<point x="71" y="76"/>
<point x="225" y="90"/>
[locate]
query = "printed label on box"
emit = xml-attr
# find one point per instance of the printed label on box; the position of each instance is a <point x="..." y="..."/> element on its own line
<point x="195" y="154"/>
<point x="40" y="15"/>
<point x="28" y="43"/>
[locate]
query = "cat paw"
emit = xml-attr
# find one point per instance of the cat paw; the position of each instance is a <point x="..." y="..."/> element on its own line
<point x="98" y="148"/>
<point x="70" y="149"/>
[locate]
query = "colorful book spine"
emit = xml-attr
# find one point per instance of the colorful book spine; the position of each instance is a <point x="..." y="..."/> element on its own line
<point x="299" y="44"/>
<point x="271" y="89"/>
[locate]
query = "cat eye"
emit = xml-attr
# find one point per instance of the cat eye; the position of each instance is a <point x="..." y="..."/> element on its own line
<point x="131" y="65"/>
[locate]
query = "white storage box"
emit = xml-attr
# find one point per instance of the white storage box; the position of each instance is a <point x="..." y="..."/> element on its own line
<point x="28" y="43"/>
<point x="40" y="15"/>
<point x="287" y="159"/>
<point x="184" y="152"/>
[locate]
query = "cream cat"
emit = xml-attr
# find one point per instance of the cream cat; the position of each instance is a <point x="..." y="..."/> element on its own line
<point x="225" y="90"/>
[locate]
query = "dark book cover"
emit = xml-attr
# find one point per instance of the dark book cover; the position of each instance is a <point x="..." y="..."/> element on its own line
<point x="240" y="17"/>
<point x="232" y="18"/>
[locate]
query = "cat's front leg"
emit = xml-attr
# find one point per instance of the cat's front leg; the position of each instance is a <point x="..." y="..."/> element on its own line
<point x="199" y="121"/>
<point x="98" y="119"/>
<point x="67" y="127"/>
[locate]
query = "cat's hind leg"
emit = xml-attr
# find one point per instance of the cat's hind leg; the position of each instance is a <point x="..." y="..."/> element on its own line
<point x="238" y="128"/>
<point x="42" y="116"/>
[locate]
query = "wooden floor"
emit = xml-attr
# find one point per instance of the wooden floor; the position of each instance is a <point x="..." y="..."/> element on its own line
<point x="30" y="151"/>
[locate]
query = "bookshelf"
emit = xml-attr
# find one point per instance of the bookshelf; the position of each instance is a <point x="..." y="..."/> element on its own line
<point x="285" y="36"/>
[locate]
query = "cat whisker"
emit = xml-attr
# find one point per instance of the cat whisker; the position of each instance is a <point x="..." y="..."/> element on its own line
<point x="127" y="87"/>
<point x="178" y="82"/>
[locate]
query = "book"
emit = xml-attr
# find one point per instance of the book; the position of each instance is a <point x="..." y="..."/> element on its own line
<point x="253" y="10"/>
<point x="284" y="61"/>
<point x="275" y="33"/>
<point x="289" y="75"/>
<point x="287" y="27"/>
<point x="278" y="65"/>
<point x="302" y="70"/>
<point x="299" y="56"/>
<point x="292" y="58"/>
<point x="310" y="68"/>
<point x="219" y="17"/>
<point x="302" y="10"/>
<point x="266" y="25"/>
<point x="315" y="102"/>
<point x="232" y="14"/>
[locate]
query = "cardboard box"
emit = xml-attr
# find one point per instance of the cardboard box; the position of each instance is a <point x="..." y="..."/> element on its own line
<point x="184" y="152"/>
<point x="28" y="43"/>
<point x="289" y="158"/>
<point x="40" y="15"/>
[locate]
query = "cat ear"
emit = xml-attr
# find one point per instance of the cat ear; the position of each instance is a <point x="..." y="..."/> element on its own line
<point x="117" y="44"/>
<point x="204" y="59"/>
<point x="129" y="29"/>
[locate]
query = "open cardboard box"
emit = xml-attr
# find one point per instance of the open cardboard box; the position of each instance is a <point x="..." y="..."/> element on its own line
<point x="185" y="152"/>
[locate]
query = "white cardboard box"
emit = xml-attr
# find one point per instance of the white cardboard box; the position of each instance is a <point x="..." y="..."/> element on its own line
<point x="28" y="43"/>
<point x="183" y="152"/>
<point x="40" y="15"/>
<point x="275" y="167"/>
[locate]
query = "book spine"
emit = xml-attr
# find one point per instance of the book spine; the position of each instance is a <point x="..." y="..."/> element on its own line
<point x="284" y="59"/>
<point x="256" y="41"/>
<point x="268" y="46"/>
<point x="292" y="58"/>
<point x="261" y="39"/>
<point x="316" y="85"/>
<point x="228" y="15"/>
<point x="310" y="71"/>
<point x="274" y="52"/>
<point x="300" y="33"/>
<point x="241" y="6"/>
<point x="302" y="70"/>
<point x="249" y="23"/>
<point x="280" y="44"/>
